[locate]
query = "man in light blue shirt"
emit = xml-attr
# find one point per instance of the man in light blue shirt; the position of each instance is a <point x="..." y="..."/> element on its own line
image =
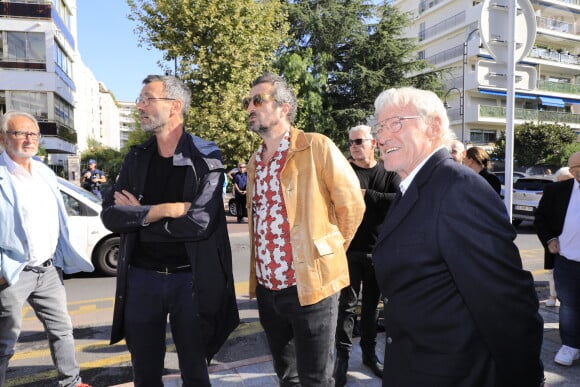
<point x="34" y="248"/>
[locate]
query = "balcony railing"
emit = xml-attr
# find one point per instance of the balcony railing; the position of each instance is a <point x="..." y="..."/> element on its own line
<point x="529" y="115"/>
<point x="443" y="26"/>
<point x="555" y="25"/>
<point x="424" y="5"/>
<point x="559" y="87"/>
<point x="573" y="2"/>
<point x="553" y="55"/>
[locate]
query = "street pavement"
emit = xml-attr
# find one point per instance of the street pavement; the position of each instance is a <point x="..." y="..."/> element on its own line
<point x="245" y="360"/>
<point x="254" y="368"/>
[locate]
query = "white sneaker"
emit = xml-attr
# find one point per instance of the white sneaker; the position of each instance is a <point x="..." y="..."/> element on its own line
<point x="551" y="302"/>
<point x="566" y="355"/>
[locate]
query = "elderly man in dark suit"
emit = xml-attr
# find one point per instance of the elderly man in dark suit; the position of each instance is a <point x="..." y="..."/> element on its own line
<point x="459" y="309"/>
<point x="557" y="222"/>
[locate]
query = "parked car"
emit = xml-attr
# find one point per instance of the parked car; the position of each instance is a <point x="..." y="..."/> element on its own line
<point x="501" y="176"/>
<point x="526" y="197"/>
<point x="88" y="234"/>
<point x="542" y="169"/>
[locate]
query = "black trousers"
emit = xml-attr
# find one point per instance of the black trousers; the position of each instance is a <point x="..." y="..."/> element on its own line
<point x="362" y="272"/>
<point x="240" y="206"/>
<point x="301" y="338"/>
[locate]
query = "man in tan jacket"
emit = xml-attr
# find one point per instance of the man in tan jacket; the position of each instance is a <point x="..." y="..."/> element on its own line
<point x="304" y="206"/>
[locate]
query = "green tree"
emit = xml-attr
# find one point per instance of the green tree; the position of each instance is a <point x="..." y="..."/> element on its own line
<point x="374" y="62"/>
<point x="219" y="48"/>
<point x="538" y="143"/>
<point x="342" y="55"/>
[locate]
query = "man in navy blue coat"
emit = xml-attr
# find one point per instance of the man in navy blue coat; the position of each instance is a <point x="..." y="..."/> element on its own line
<point x="459" y="309"/>
<point x="558" y="225"/>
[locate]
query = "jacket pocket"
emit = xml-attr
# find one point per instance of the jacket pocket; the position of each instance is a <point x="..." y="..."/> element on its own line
<point x="329" y="244"/>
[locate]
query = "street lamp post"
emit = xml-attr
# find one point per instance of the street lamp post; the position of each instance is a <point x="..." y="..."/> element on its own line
<point x="461" y="107"/>
<point x="462" y="93"/>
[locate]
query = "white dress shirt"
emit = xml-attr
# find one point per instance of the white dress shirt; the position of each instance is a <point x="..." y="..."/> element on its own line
<point x="570" y="237"/>
<point x="39" y="211"/>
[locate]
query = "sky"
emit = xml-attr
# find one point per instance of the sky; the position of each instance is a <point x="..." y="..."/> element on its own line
<point x="109" y="47"/>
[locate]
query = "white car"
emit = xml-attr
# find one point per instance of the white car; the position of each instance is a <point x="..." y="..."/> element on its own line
<point x="87" y="232"/>
<point x="526" y="197"/>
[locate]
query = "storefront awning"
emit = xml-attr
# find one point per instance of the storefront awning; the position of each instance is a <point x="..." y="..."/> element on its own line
<point x="551" y="101"/>
<point x="503" y="94"/>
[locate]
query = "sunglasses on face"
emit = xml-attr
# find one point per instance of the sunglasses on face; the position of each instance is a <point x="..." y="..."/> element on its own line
<point x="257" y="100"/>
<point x="358" y="141"/>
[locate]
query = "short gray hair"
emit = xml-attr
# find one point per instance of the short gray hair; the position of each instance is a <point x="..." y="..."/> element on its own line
<point x="7" y="118"/>
<point x="173" y="88"/>
<point x="9" y="115"/>
<point x="362" y="128"/>
<point x="427" y="104"/>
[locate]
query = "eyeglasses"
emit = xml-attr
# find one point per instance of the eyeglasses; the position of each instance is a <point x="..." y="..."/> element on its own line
<point x="20" y="134"/>
<point x="147" y="100"/>
<point x="257" y="100"/>
<point x="358" y="141"/>
<point x="393" y="124"/>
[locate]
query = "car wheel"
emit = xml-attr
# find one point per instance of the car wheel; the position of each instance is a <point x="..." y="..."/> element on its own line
<point x="107" y="256"/>
<point x="233" y="210"/>
<point x="516" y="222"/>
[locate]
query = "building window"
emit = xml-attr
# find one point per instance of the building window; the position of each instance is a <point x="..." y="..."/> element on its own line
<point x="26" y="46"/>
<point x="33" y="103"/>
<point x="63" y="112"/>
<point x="62" y="60"/>
<point x="482" y="136"/>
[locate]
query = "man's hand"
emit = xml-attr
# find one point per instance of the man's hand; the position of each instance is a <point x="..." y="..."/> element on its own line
<point x="157" y="211"/>
<point x="2" y="281"/>
<point x="554" y="246"/>
<point x="126" y="198"/>
<point x="167" y="210"/>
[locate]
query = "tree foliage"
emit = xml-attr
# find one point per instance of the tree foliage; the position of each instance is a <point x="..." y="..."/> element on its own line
<point x="338" y="55"/>
<point x="219" y="48"/>
<point x="341" y="56"/>
<point x="538" y="143"/>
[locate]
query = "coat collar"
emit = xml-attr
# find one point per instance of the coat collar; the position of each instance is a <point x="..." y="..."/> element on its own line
<point x="406" y="203"/>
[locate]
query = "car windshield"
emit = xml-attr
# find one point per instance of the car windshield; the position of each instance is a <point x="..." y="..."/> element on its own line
<point x="531" y="184"/>
<point x="79" y="190"/>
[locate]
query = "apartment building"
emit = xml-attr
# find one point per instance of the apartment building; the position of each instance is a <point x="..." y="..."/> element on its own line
<point x="37" y="47"/>
<point x="42" y="73"/>
<point x="547" y="80"/>
<point x="127" y="121"/>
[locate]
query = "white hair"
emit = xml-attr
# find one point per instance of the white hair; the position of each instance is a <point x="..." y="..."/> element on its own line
<point x="427" y="104"/>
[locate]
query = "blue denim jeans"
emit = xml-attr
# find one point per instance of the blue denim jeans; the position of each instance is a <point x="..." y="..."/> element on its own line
<point x="301" y="338"/>
<point x="46" y="295"/>
<point x="361" y="271"/>
<point x="151" y="298"/>
<point x="567" y="281"/>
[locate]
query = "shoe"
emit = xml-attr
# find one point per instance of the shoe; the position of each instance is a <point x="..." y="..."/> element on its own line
<point x="372" y="361"/>
<point x="83" y="385"/>
<point x="551" y="302"/>
<point x="339" y="373"/>
<point x="566" y="355"/>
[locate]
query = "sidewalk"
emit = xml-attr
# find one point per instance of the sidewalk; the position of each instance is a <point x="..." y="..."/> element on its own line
<point x="257" y="371"/>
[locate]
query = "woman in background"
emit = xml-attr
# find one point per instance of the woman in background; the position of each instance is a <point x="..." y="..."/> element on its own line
<point x="478" y="159"/>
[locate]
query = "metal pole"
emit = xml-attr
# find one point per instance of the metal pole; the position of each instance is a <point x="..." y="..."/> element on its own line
<point x="509" y="130"/>
<point x="462" y="94"/>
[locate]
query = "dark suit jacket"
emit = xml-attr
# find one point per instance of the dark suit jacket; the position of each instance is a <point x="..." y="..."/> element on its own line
<point x="459" y="308"/>
<point x="550" y="215"/>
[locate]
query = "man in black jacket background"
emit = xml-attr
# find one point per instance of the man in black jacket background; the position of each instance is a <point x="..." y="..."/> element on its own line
<point x="379" y="189"/>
